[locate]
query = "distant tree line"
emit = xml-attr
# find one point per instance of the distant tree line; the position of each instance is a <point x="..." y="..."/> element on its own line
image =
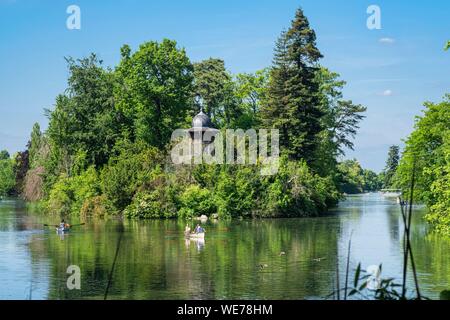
<point x="354" y="179"/>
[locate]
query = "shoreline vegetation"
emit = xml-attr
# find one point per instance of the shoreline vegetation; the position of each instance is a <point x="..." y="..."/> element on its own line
<point x="106" y="150"/>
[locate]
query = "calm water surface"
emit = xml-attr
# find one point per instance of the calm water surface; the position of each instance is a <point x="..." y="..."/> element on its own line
<point x="257" y="259"/>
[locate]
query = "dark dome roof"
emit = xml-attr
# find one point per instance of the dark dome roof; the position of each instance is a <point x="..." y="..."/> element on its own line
<point x="201" y="120"/>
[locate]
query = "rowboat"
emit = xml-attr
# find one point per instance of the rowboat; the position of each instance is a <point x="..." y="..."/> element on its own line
<point x="195" y="235"/>
<point x="62" y="230"/>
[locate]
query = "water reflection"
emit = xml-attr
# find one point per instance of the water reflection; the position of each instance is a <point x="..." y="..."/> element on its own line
<point x="199" y="243"/>
<point x="249" y="259"/>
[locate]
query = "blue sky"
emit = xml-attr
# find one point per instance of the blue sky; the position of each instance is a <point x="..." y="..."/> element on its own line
<point x="391" y="77"/>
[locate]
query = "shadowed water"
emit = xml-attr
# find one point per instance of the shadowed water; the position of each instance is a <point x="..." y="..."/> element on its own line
<point x="249" y="259"/>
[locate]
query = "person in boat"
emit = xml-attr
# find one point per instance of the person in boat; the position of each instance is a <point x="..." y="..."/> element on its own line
<point x="187" y="230"/>
<point x="63" y="225"/>
<point x="199" y="229"/>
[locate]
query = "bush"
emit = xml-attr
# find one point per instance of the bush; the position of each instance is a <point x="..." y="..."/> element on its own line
<point x="68" y="194"/>
<point x="154" y="204"/>
<point x="296" y="192"/>
<point x="7" y="179"/>
<point x="196" y="201"/>
<point x="129" y="172"/>
<point x="241" y="191"/>
<point x="96" y="206"/>
<point x="61" y="197"/>
<point x="84" y="186"/>
<point x="289" y="193"/>
<point x="237" y="191"/>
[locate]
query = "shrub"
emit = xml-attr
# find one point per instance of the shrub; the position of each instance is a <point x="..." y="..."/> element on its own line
<point x="128" y="172"/>
<point x="196" y="201"/>
<point x="296" y="192"/>
<point x="151" y="205"/>
<point x="96" y="206"/>
<point x="237" y="190"/>
<point x="7" y="179"/>
<point x="84" y="186"/>
<point x="61" y="197"/>
<point x="68" y="194"/>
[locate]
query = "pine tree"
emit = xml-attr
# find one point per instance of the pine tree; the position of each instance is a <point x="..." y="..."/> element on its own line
<point x="391" y="165"/>
<point x="292" y="104"/>
<point x="34" y="144"/>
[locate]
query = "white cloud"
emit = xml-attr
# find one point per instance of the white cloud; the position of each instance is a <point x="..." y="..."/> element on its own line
<point x="387" y="93"/>
<point x="386" y="40"/>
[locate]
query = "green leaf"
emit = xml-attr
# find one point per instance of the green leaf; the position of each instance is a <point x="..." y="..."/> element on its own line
<point x="352" y="292"/>
<point x="357" y="273"/>
<point x="363" y="286"/>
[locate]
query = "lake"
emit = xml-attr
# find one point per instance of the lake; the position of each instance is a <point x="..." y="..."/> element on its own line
<point x="243" y="259"/>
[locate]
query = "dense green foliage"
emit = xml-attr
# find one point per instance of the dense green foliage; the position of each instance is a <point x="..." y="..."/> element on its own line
<point x="251" y="90"/>
<point x="427" y="151"/>
<point x="391" y="166"/>
<point x="354" y="179"/>
<point x="340" y="120"/>
<point x="85" y="119"/>
<point x="213" y="87"/>
<point x="107" y="147"/>
<point x="154" y="90"/>
<point x="4" y="155"/>
<point x="304" y="101"/>
<point x="196" y="201"/>
<point x="68" y="194"/>
<point x="230" y="101"/>
<point x="292" y="103"/>
<point x="7" y="179"/>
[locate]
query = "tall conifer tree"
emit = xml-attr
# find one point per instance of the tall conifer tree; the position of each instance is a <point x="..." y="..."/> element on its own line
<point x="293" y="101"/>
<point x="391" y="165"/>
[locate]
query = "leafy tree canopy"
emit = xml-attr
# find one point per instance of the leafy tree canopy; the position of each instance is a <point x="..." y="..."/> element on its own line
<point x="4" y="154"/>
<point x="427" y="151"/>
<point x="154" y="90"/>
